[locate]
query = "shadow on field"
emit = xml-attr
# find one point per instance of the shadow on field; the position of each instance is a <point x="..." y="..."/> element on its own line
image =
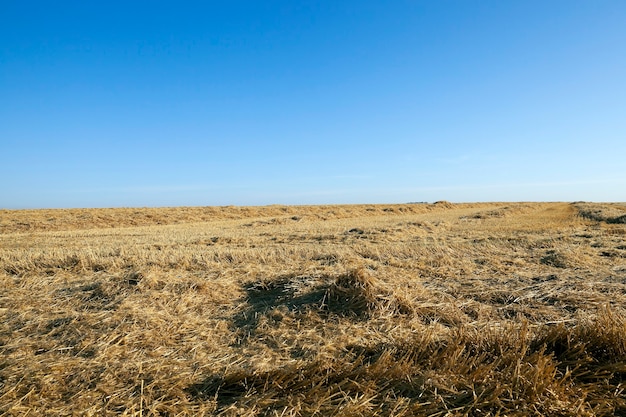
<point x="514" y="370"/>
<point x="354" y="295"/>
<point x="104" y="293"/>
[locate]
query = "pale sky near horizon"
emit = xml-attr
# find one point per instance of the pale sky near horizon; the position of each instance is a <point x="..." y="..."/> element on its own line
<point x="282" y="102"/>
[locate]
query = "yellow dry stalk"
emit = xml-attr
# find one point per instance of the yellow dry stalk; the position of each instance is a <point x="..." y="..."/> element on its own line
<point x="415" y="309"/>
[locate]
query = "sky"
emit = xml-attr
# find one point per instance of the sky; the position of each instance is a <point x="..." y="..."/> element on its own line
<point x="158" y="103"/>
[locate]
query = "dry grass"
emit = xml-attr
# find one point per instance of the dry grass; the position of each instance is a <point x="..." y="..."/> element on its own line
<point x="442" y="309"/>
<point x="608" y="213"/>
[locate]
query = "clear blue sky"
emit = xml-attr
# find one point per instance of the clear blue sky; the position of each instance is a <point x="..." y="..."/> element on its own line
<point x="150" y="103"/>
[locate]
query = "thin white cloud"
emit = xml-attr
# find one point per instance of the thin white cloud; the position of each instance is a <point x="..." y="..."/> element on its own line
<point x="542" y="184"/>
<point x="147" y="189"/>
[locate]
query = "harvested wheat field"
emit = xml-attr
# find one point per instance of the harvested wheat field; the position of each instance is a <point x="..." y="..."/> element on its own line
<point x="394" y="310"/>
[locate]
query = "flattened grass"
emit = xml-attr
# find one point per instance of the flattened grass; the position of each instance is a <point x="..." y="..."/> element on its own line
<point x="486" y="309"/>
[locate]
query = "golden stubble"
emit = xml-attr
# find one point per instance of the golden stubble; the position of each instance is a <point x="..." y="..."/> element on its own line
<point x="417" y="309"/>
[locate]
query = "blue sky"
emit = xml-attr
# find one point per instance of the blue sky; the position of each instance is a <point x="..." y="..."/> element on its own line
<point x="313" y="102"/>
